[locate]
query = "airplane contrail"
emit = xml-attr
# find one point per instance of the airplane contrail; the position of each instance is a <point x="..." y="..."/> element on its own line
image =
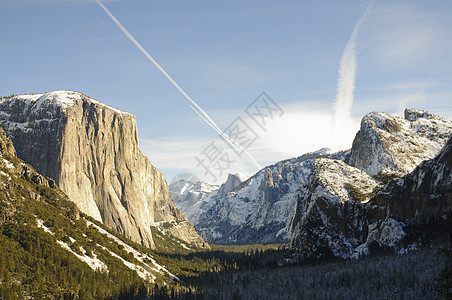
<point x="236" y="145"/>
<point x="204" y="116"/>
<point x="347" y="74"/>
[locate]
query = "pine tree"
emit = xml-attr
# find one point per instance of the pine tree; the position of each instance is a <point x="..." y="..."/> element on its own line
<point x="444" y="280"/>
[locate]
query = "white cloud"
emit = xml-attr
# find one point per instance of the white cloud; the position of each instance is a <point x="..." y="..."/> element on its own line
<point x="301" y="129"/>
<point x="176" y="152"/>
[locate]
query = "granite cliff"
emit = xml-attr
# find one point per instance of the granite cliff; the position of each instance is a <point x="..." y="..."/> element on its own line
<point x="91" y="152"/>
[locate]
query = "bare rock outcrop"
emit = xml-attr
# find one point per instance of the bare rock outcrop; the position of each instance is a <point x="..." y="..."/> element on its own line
<point x="391" y="146"/>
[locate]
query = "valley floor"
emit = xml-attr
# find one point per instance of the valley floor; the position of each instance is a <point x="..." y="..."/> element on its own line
<point x="384" y="276"/>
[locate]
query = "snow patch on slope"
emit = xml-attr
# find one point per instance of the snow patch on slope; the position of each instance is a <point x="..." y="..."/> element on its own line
<point x="8" y="164"/>
<point x="141" y="257"/>
<point x="62" y="99"/>
<point x="142" y="272"/>
<point x="94" y="263"/>
<point x="40" y="224"/>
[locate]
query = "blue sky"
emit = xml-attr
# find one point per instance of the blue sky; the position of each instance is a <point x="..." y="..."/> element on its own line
<point x="224" y="54"/>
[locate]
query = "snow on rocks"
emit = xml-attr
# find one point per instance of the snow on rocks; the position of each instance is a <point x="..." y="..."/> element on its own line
<point x="8" y="164"/>
<point x="40" y="224"/>
<point x="329" y="219"/>
<point x="387" y="144"/>
<point x="190" y="196"/>
<point x="93" y="262"/>
<point x="50" y="101"/>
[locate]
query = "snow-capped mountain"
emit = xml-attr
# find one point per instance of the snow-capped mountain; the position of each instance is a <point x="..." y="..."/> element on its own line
<point x="389" y="145"/>
<point x="321" y="195"/>
<point x="259" y="210"/>
<point x="190" y="197"/>
<point x="194" y="198"/>
<point x="393" y="216"/>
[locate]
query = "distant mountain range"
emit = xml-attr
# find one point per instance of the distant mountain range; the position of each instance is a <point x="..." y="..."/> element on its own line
<point x="324" y="203"/>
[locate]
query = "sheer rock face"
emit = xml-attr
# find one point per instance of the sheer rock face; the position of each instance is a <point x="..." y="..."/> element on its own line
<point x="330" y="219"/>
<point x="6" y="145"/>
<point x="91" y="151"/>
<point x="416" y="201"/>
<point x="12" y="171"/>
<point x="389" y="145"/>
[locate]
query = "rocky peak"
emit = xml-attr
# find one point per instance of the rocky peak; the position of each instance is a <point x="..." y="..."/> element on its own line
<point x="6" y="145"/>
<point x="388" y="145"/>
<point x="233" y="181"/>
<point x="412" y="114"/>
<point x="91" y="151"/>
<point x="187" y="193"/>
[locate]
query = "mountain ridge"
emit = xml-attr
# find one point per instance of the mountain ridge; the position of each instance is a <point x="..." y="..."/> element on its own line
<point x="247" y="214"/>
